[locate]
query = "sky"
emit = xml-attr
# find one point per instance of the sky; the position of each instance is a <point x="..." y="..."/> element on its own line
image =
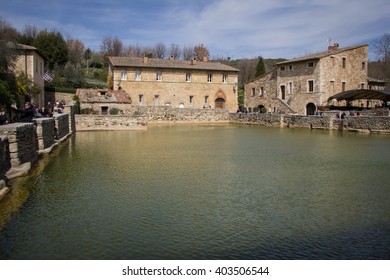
<point x="228" y="28"/>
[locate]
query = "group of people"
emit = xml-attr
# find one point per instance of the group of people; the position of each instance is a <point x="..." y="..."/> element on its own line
<point x="31" y="110"/>
<point x="343" y="115"/>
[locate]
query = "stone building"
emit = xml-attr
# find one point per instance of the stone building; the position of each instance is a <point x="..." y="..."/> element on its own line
<point x="31" y="62"/>
<point x="102" y="101"/>
<point x="176" y="83"/>
<point x="302" y="85"/>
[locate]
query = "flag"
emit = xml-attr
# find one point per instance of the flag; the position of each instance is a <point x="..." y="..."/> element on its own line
<point x="48" y="77"/>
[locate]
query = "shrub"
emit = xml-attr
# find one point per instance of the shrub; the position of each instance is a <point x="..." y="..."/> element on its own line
<point x="115" y="111"/>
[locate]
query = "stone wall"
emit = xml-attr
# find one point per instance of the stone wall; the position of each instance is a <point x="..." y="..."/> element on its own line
<point x="366" y="124"/>
<point x="375" y="124"/>
<point x="23" y="147"/>
<point x="62" y="125"/>
<point x="102" y="122"/>
<point x="21" y="144"/>
<point x="45" y="130"/>
<point x="139" y="116"/>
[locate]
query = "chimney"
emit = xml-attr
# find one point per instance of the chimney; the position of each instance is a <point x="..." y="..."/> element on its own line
<point x="335" y="46"/>
<point x="205" y="59"/>
<point x="145" y="61"/>
<point x="171" y="57"/>
<point x="193" y="61"/>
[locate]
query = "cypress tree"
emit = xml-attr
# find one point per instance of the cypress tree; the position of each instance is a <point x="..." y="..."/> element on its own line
<point x="260" y="68"/>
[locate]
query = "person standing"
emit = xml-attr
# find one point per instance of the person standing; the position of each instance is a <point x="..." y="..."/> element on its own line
<point x="3" y="117"/>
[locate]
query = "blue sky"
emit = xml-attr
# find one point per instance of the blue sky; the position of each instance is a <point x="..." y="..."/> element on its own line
<point x="228" y="28"/>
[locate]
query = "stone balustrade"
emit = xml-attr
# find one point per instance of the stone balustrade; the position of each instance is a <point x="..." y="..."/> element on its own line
<point x="22" y="143"/>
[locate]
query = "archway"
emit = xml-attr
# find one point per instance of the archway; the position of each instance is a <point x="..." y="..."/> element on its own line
<point x="220" y="100"/>
<point x="310" y="109"/>
<point x="261" y="109"/>
<point x="181" y="105"/>
<point x="219" y="103"/>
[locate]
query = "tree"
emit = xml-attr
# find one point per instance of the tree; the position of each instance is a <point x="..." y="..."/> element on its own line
<point x="160" y="50"/>
<point x="174" y="51"/>
<point x="382" y="47"/>
<point x="8" y="37"/>
<point x="111" y="46"/>
<point x="201" y="52"/>
<point x="188" y="52"/>
<point x="29" y="34"/>
<point x="53" y="46"/>
<point x="260" y="68"/>
<point x="76" y="51"/>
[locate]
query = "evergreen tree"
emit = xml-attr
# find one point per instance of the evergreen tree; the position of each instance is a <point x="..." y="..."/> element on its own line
<point x="260" y="68"/>
<point x="53" y="46"/>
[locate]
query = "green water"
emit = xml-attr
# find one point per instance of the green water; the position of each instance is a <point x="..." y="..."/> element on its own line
<point x="204" y="192"/>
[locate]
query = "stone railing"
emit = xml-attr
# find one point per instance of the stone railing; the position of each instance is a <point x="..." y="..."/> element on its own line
<point x="21" y="144"/>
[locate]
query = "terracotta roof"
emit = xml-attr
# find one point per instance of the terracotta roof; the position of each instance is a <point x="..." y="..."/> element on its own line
<point x="169" y="63"/>
<point x="103" y="96"/>
<point x="320" y="55"/>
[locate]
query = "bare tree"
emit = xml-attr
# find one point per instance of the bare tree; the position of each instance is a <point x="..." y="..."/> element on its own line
<point x="160" y="50"/>
<point x="174" y="51"/>
<point x="188" y="52"/>
<point x="76" y="51"/>
<point x="382" y="47"/>
<point x="134" y="50"/>
<point x="29" y="34"/>
<point x="111" y="46"/>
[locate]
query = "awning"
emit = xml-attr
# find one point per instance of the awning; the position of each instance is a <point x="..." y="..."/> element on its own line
<point x="361" y="94"/>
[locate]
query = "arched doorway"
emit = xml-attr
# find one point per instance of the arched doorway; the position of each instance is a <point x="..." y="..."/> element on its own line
<point x="261" y="109"/>
<point x="310" y="109"/>
<point x="220" y="103"/>
<point x="181" y="105"/>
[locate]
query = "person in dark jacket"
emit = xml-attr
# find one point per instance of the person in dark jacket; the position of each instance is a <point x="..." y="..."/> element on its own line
<point x="27" y="112"/>
<point x="3" y="117"/>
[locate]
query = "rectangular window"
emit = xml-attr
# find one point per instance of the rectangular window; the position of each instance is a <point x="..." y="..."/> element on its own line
<point x="138" y="75"/>
<point x="209" y="78"/>
<point x="253" y="91"/>
<point x="291" y="67"/>
<point x="159" y="76"/>
<point x="310" y="64"/>
<point x="290" y="87"/>
<point x="104" y="110"/>
<point x="123" y="75"/>
<point x="206" y="100"/>
<point x="156" y="100"/>
<point x="36" y="65"/>
<point x="282" y="68"/>
<point x="344" y="62"/>
<point x="343" y="86"/>
<point x="224" y="78"/>
<point x="188" y="77"/>
<point x="191" y="100"/>
<point x="140" y="99"/>
<point x="361" y="85"/>
<point x="261" y="91"/>
<point x="310" y="86"/>
<point x="363" y="66"/>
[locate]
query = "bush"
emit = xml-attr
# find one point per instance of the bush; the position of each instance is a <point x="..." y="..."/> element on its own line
<point x="115" y="111"/>
<point x="88" y="111"/>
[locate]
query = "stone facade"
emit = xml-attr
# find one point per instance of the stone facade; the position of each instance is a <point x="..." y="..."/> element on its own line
<point x="176" y="83"/>
<point x="31" y="63"/>
<point x="302" y="85"/>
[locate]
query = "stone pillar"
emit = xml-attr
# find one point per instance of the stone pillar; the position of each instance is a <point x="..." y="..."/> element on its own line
<point x="45" y="134"/>
<point x="23" y="147"/>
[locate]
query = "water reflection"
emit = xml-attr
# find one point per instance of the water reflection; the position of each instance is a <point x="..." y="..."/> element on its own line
<point x="205" y="192"/>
